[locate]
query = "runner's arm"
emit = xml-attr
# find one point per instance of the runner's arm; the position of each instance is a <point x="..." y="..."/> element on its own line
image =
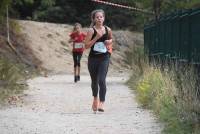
<point x="109" y="40"/>
<point x="71" y="40"/>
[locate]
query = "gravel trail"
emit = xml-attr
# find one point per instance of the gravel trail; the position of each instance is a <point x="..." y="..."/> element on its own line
<point x="57" y="105"/>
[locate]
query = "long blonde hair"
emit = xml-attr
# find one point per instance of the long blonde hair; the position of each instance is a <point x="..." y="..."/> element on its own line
<point x="93" y="13"/>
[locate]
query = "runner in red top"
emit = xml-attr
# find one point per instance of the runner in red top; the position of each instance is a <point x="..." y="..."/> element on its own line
<point x="77" y="37"/>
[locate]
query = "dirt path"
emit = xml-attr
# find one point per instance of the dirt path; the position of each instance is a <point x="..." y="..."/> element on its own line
<point x="56" y="105"/>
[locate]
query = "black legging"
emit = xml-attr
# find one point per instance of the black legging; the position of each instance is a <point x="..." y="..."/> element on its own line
<point x="98" y="68"/>
<point x="77" y="58"/>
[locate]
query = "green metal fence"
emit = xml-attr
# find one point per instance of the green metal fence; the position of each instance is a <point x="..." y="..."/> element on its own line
<point x="174" y="36"/>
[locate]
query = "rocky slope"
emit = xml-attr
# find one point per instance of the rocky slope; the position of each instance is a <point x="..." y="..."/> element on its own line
<point x="49" y="43"/>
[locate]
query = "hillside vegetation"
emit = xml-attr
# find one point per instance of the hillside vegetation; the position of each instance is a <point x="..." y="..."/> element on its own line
<point x="16" y="65"/>
<point x="171" y="92"/>
<point x="71" y="11"/>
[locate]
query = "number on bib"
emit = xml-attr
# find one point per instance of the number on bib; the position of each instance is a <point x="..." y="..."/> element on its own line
<point x="78" y="45"/>
<point x="100" y="47"/>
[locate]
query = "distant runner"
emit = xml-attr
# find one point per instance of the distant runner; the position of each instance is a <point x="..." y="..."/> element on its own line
<point x="77" y="37"/>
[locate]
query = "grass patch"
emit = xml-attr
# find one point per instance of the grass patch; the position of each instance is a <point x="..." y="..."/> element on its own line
<point x="171" y="93"/>
<point x="11" y="79"/>
<point x="177" y="108"/>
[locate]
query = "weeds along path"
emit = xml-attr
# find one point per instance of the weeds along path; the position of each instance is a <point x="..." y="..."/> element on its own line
<point x="56" y="105"/>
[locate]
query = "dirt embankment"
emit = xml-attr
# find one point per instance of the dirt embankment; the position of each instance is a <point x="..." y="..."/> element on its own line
<point x="49" y="43"/>
<point x="18" y="50"/>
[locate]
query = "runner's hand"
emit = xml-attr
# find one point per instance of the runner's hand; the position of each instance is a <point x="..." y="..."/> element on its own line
<point x="107" y="42"/>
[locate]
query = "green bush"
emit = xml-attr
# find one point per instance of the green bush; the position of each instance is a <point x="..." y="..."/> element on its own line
<point x="10" y="75"/>
<point x="156" y="90"/>
<point x="172" y="95"/>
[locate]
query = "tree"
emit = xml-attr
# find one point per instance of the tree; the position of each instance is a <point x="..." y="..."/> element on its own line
<point x="71" y="11"/>
<point x="3" y="5"/>
<point x="157" y="8"/>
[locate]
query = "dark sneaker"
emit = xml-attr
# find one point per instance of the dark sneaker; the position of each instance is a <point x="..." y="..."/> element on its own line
<point x="78" y="78"/>
<point x="75" y="78"/>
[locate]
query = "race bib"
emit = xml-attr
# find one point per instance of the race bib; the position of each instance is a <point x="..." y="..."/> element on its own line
<point x="78" y="45"/>
<point x="100" y="47"/>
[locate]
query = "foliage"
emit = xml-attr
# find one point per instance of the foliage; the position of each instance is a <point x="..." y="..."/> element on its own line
<point x="172" y="95"/>
<point x="171" y="92"/>
<point x="3" y="5"/>
<point x="10" y="75"/>
<point x="71" y="11"/>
